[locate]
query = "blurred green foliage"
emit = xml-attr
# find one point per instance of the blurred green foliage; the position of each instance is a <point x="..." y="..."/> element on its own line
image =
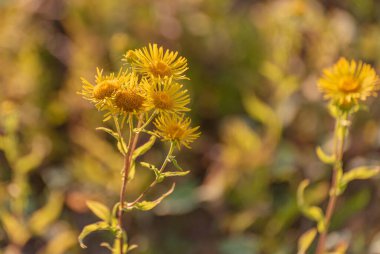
<point x="254" y="66"/>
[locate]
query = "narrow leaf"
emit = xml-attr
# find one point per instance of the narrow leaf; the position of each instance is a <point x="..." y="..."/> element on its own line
<point x="144" y="148"/>
<point x="99" y="210"/>
<point x="175" y="163"/>
<point x="306" y="240"/>
<point x="148" y="205"/>
<point x="172" y="173"/>
<point x="121" y="146"/>
<point x="109" y="131"/>
<point x="116" y="245"/>
<point x="92" y="228"/>
<point x="151" y="167"/>
<point x="132" y="171"/>
<point x="148" y="165"/>
<point x="312" y="212"/>
<point x="360" y="173"/>
<point x="328" y="159"/>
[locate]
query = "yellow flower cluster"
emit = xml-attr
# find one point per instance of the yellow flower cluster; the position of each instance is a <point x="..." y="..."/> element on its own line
<point x="147" y="86"/>
<point x="347" y="83"/>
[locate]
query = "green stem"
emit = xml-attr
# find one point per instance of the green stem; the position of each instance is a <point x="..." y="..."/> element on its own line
<point x="118" y="130"/>
<point x="341" y="127"/>
<point x="167" y="159"/>
<point x="147" y="122"/>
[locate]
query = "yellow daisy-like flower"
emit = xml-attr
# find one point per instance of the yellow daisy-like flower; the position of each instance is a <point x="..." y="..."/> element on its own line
<point x="176" y="129"/>
<point x="104" y="89"/>
<point x="155" y="63"/>
<point x="130" y="98"/>
<point x="346" y="83"/>
<point x="167" y="96"/>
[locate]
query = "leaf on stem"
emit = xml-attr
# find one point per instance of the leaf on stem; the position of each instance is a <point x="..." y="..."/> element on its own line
<point x="92" y="228"/>
<point x="99" y="210"/>
<point x="359" y="173"/>
<point x="109" y="131"/>
<point x="312" y="212"/>
<point x="175" y="163"/>
<point x="175" y="173"/>
<point x="306" y="240"/>
<point x="148" y="205"/>
<point x="121" y="146"/>
<point x="132" y="171"/>
<point x="325" y="158"/>
<point x="151" y="167"/>
<point x="144" y="148"/>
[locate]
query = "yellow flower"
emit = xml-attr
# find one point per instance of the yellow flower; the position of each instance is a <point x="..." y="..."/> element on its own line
<point x="130" y="98"/>
<point x="347" y="83"/>
<point x="167" y="96"/>
<point x="104" y="89"/>
<point x="176" y="129"/>
<point x="155" y="63"/>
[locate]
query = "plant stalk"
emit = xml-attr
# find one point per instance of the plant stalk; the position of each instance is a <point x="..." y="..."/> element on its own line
<point x="339" y="138"/>
<point x="125" y="172"/>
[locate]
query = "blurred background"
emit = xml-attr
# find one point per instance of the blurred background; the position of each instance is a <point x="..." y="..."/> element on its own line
<point x="253" y="69"/>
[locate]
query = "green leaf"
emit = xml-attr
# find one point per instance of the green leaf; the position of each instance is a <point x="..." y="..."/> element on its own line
<point x="359" y="173"/>
<point x="99" y="210"/>
<point x="144" y="148"/>
<point x="306" y="240"/>
<point x="148" y="165"/>
<point x="148" y="205"/>
<point x="151" y="167"/>
<point x="109" y="131"/>
<point x="92" y="228"/>
<point x="172" y="173"/>
<point x="116" y="246"/>
<point x="175" y="163"/>
<point x="312" y="212"/>
<point x="328" y="159"/>
<point x="121" y="146"/>
<point x="132" y="171"/>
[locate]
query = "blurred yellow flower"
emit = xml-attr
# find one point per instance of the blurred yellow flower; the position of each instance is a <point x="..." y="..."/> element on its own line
<point x="167" y="96"/>
<point x="155" y="63"/>
<point x="176" y="129"/>
<point x="346" y="82"/>
<point x="104" y="89"/>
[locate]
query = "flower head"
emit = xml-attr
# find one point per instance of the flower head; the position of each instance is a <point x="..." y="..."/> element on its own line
<point x="167" y="96"/>
<point x="347" y="83"/>
<point x="176" y="129"/>
<point x="104" y="89"/>
<point x="130" y="98"/>
<point x="155" y="63"/>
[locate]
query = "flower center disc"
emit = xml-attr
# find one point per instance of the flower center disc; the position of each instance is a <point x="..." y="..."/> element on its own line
<point x="159" y="68"/>
<point x="162" y="100"/>
<point x="175" y="131"/>
<point x="349" y="84"/>
<point x="129" y="101"/>
<point x="105" y="89"/>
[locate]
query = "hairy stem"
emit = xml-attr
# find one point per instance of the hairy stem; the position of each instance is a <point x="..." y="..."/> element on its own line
<point x="125" y="172"/>
<point x="339" y="138"/>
